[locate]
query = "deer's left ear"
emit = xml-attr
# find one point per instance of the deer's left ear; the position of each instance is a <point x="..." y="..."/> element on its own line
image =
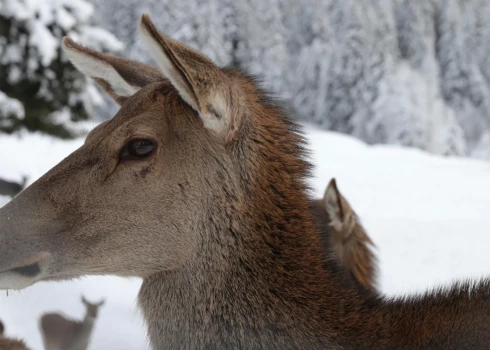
<point x="197" y="79"/>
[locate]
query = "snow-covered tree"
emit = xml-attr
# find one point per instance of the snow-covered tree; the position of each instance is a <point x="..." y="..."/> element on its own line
<point x="119" y="18"/>
<point x="410" y="113"/>
<point x="414" y="73"/>
<point x="337" y="73"/>
<point x="462" y="83"/>
<point x="39" y="89"/>
<point x="197" y="23"/>
<point x="261" y="43"/>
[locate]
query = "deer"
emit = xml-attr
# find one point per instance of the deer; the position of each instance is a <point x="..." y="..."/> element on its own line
<point x="9" y="188"/>
<point x="61" y="333"/>
<point x="349" y="247"/>
<point x="199" y="186"/>
<point x="8" y="343"/>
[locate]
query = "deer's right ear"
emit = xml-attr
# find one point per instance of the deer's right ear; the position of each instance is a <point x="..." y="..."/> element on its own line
<point x="200" y="83"/>
<point x="119" y="77"/>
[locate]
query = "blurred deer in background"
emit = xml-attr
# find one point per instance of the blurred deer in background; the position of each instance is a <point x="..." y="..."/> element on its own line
<point x="61" y="333"/>
<point x="10" y="344"/>
<point x="10" y="188"/>
<point x="348" y="245"/>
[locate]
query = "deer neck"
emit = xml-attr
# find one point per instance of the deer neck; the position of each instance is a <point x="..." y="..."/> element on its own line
<point x="87" y="324"/>
<point x="262" y="285"/>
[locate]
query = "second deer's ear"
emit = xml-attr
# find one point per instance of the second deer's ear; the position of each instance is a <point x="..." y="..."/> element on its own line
<point x="200" y="83"/>
<point x="332" y="199"/>
<point x="119" y="77"/>
<point x="337" y="207"/>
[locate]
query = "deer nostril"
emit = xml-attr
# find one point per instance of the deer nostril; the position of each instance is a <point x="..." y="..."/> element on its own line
<point x="28" y="270"/>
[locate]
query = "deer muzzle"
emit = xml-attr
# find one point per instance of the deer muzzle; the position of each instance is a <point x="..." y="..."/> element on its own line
<point x="24" y="260"/>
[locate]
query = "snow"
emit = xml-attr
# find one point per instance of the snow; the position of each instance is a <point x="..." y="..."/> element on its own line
<point x="63" y="117"/>
<point x="44" y="41"/>
<point x="426" y="214"/>
<point x="19" y="9"/>
<point x="103" y="40"/>
<point x="10" y="107"/>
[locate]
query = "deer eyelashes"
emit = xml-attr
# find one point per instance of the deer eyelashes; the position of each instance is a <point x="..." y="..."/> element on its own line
<point x="138" y="149"/>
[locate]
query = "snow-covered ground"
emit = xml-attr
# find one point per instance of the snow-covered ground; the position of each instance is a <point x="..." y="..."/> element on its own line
<point x="426" y="214"/>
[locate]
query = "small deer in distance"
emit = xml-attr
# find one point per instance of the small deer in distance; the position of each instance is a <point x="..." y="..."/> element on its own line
<point x="198" y="185"/>
<point x="61" y="333"/>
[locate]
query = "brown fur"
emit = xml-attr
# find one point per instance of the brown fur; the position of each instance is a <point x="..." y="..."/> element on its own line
<point x="345" y="239"/>
<point x="57" y="330"/>
<point x="10" y="344"/>
<point x="219" y="228"/>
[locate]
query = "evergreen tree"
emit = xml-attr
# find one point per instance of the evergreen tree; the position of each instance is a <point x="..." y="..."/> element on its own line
<point x="39" y="89"/>
<point x="262" y="46"/>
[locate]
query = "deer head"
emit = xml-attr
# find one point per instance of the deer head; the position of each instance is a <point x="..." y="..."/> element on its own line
<point x="92" y="308"/>
<point x="131" y="201"/>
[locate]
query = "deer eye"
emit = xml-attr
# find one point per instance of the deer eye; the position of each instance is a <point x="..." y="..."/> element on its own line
<point x="138" y="149"/>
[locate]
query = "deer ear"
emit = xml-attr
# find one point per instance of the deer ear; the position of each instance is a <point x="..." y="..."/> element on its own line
<point x="200" y="83"/>
<point x="119" y="77"/>
<point x="332" y="199"/>
<point x="101" y="302"/>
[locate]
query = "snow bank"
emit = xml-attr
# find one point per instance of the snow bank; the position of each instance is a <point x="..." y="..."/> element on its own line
<point x="426" y="215"/>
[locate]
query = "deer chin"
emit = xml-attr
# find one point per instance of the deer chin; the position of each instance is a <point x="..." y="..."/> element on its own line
<point x="26" y="273"/>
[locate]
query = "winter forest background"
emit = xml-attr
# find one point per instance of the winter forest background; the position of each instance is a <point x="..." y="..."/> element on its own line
<point x="413" y="73"/>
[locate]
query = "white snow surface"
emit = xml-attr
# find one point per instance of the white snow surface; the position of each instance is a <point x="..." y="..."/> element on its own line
<point x="427" y="215"/>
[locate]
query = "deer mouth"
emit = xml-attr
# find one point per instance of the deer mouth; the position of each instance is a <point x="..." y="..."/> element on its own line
<point x="26" y="273"/>
<point x="31" y="270"/>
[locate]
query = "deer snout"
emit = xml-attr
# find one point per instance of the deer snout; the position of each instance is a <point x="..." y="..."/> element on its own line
<point x="26" y="272"/>
<point x="22" y="259"/>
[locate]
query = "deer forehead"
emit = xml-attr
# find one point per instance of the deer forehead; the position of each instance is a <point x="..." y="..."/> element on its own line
<point x="151" y="111"/>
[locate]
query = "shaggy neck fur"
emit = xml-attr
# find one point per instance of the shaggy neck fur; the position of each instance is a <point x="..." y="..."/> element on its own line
<point x="261" y="281"/>
<point x="263" y="276"/>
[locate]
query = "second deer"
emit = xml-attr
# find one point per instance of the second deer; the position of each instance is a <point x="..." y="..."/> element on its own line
<point x="61" y="333"/>
<point x="349" y="248"/>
